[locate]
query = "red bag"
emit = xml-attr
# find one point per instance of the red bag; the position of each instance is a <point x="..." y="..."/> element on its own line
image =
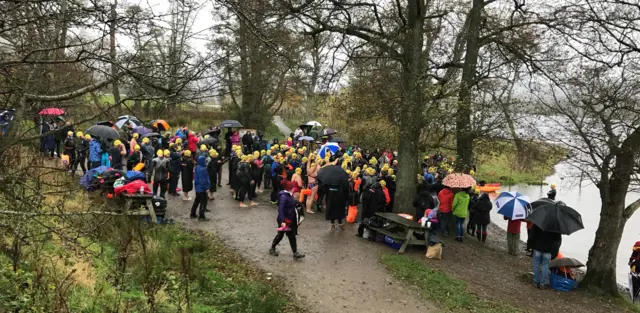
<point x="132" y="187"/>
<point x="352" y="214"/>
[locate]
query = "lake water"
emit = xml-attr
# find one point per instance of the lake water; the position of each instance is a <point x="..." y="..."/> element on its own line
<point x="585" y="198"/>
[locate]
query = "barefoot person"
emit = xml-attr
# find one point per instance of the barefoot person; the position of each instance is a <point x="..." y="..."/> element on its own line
<point x="312" y="171"/>
<point x="287" y="221"/>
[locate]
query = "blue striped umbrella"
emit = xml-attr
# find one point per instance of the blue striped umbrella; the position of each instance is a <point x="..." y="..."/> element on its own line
<point x="513" y="205"/>
<point x="331" y="146"/>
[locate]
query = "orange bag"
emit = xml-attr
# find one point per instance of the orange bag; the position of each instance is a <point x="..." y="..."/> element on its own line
<point x="65" y="159"/>
<point x="352" y="214"/>
<point x="303" y="193"/>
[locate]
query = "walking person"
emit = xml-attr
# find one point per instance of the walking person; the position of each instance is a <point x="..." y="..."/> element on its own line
<point x="187" y="174"/>
<point x="460" y="209"/>
<point x="202" y="183"/>
<point x="287" y="221"/>
<point x="482" y="216"/>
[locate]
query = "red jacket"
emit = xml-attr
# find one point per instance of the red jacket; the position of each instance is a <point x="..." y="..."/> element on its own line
<point x="445" y="196"/>
<point x="192" y="143"/>
<point x="514" y="226"/>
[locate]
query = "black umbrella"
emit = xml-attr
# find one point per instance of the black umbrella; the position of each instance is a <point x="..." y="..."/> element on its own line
<point x="230" y="124"/>
<point x="566" y="262"/>
<point x="333" y="175"/>
<point x="214" y="132"/>
<point x="306" y="129"/>
<point x="105" y="123"/>
<point x="104" y="132"/>
<point x="540" y="202"/>
<point x="151" y="134"/>
<point x="209" y="141"/>
<point x="329" y="132"/>
<point x="338" y="140"/>
<point x="557" y="218"/>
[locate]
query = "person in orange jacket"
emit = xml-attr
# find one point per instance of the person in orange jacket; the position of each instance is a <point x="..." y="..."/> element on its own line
<point x="387" y="198"/>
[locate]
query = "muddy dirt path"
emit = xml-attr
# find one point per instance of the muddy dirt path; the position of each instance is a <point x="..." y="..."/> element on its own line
<point x="340" y="273"/>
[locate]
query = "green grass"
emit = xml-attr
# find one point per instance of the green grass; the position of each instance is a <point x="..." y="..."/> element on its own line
<point x="449" y="293"/>
<point x="497" y="162"/>
<point x="272" y="131"/>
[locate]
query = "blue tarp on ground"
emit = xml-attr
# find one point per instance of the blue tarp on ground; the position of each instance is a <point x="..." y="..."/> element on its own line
<point x="88" y="177"/>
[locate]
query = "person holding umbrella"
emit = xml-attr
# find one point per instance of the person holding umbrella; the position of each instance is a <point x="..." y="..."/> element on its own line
<point x="335" y="184"/>
<point x="514" y="206"/>
<point x="550" y="221"/>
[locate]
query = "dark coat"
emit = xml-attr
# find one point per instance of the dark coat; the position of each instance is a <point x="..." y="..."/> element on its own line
<point x="336" y="197"/>
<point x="482" y="209"/>
<point x="373" y="201"/>
<point x="175" y="162"/>
<point x="187" y="173"/>
<point x="201" y="177"/>
<point x="546" y="242"/>
<point x="423" y="201"/>
<point x="287" y="210"/>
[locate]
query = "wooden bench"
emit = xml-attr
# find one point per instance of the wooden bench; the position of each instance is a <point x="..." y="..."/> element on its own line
<point x="130" y="199"/>
<point x="400" y="229"/>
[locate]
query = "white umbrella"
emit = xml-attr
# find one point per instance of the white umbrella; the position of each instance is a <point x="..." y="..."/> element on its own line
<point x="122" y="120"/>
<point x="314" y="123"/>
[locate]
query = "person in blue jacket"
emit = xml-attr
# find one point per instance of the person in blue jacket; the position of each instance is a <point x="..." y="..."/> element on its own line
<point x="202" y="184"/>
<point x="95" y="153"/>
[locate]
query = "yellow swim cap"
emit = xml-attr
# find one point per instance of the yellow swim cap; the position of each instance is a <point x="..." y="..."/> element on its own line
<point x="178" y="141"/>
<point x="159" y="153"/>
<point x="243" y="158"/>
<point x="304" y="160"/>
<point x="383" y="183"/>
<point x="298" y="171"/>
<point x="136" y="135"/>
<point x="79" y="134"/>
<point x="213" y="153"/>
<point x="268" y="152"/>
<point x="187" y="152"/>
<point x="393" y="177"/>
<point x="203" y="148"/>
<point x="390" y="171"/>
<point x="256" y="154"/>
<point x="145" y="140"/>
<point x="136" y="148"/>
<point x="69" y="133"/>
<point x="117" y="143"/>
<point x="171" y="144"/>
<point x="87" y="137"/>
<point x="166" y="153"/>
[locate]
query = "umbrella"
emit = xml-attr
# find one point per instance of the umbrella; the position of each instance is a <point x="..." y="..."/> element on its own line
<point x="306" y="138"/>
<point x="306" y="129"/>
<point x="457" y="180"/>
<point x="540" y="202"/>
<point x="128" y="120"/>
<point x="209" y="141"/>
<point x="557" y="218"/>
<point x="230" y="124"/>
<point x="104" y="132"/>
<point x="151" y="134"/>
<point x="313" y="123"/>
<point x="160" y="125"/>
<point x="215" y="132"/>
<point x="338" y="140"/>
<point x="331" y="146"/>
<point x="51" y="111"/>
<point x="105" y="123"/>
<point x="634" y="286"/>
<point x="141" y="130"/>
<point x="333" y="175"/>
<point x="566" y="262"/>
<point x="329" y="132"/>
<point x="513" y="205"/>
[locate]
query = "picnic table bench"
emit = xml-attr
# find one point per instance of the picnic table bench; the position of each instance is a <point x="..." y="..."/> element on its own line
<point x="139" y="200"/>
<point x="400" y="229"/>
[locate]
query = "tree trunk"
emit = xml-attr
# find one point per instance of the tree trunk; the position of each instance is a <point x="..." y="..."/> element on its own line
<point x="464" y="135"/>
<point x="112" y="54"/>
<point x="601" y="266"/>
<point x="411" y="113"/>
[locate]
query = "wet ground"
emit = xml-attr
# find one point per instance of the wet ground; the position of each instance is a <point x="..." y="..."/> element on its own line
<point x="340" y="273"/>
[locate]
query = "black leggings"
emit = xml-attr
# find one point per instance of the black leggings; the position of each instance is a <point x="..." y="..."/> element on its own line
<point x="81" y="160"/>
<point x="163" y="187"/>
<point x="173" y="182"/>
<point x="201" y="200"/>
<point x="291" y="235"/>
<point x="245" y="188"/>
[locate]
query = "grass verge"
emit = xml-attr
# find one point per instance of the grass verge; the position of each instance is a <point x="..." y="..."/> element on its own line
<point x="450" y="294"/>
<point x="499" y="161"/>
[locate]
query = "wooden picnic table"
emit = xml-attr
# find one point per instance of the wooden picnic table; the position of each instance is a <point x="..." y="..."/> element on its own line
<point x="139" y="199"/>
<point x="401" y="229"/>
